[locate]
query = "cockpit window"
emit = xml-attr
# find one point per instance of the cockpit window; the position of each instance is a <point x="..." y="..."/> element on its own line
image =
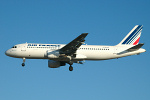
<point x="14" y="47"/>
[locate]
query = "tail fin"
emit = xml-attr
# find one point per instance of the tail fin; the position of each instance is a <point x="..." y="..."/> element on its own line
<point x="133" y="36"/>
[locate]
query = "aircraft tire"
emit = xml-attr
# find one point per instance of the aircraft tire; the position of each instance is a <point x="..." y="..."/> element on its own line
<point x="70" y="68"/>
<point x="23" y="64"/>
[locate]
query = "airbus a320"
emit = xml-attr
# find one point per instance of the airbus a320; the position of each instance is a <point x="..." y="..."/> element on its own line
<point x="76" y="52"/>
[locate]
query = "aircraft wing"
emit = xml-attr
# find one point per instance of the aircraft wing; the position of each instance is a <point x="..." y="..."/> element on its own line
<point x="72" y="47"/>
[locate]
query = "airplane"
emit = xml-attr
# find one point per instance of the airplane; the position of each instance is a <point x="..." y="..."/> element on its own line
<point x="76" y="52"/>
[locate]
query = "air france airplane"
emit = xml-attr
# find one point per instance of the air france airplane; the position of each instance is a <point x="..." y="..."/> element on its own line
<point x="74" y="52"/>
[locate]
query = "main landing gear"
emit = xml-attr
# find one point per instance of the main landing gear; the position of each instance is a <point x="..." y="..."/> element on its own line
<point x="70" y="67"/>
<point x="23" y="64"/>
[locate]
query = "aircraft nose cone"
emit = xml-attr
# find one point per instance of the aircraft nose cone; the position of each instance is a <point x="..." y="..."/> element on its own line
<point x="7" y="52"/>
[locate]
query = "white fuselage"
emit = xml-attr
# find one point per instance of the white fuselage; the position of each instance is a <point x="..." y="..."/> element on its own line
<point x="75" y="52"/>
<point x="85" y="52"/>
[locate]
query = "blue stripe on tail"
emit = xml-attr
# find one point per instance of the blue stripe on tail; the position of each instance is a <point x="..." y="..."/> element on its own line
<point x="133" y="34"/>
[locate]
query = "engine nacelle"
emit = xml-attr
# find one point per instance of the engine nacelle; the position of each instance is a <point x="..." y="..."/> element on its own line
<point x="55" y="64"/>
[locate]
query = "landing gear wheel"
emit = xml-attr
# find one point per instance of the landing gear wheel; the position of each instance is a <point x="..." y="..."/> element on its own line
<point x="23" y="64"/>
<point x="70" y="68"/>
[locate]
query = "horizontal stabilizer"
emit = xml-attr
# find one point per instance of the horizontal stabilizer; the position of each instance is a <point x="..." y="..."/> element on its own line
<point x="134" y="48"/>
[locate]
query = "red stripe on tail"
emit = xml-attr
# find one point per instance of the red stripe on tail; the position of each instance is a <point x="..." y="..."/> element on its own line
<point x="137" y="41"/>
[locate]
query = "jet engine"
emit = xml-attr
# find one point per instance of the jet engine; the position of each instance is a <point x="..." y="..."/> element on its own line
<point x="55" y="64"/>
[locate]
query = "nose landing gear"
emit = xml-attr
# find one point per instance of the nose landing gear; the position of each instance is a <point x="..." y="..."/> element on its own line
<point x="23" y="64"/>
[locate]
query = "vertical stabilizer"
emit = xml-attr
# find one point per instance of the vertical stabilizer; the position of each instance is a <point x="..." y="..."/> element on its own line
<point x="133" y="36"/>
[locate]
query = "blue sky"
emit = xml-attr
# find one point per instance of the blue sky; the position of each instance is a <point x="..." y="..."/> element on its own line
<point x="60" y="21"/>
